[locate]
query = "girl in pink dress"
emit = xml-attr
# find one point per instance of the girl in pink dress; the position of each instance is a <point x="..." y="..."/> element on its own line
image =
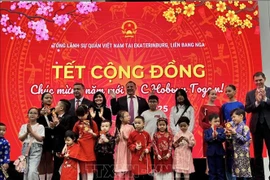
<point x="183" y="142"/>
<point x="162" y="146"/>
<point x="122" y="159"/>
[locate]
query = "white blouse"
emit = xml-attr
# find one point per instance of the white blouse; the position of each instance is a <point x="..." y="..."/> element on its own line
<point x="174" y="117"/>
<point x="38" y="128"/>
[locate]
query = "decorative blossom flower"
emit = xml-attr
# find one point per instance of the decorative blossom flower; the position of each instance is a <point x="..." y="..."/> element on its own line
<point x="170" y="15"/>
<point x="236" y="3"/>
<point x="4" y="19"/>
<point x="248" y="16"/>
<point x="230" y="15"/>
<point x="189" y="9"/>
<point x="248" y="23"/>
<point x="178" y="10"/>
<point x="221" y="6"/>
<point x="221" y="20"/>
<point x="242" y="6"/>
<point x="175" y="3"/>
<point x="255" y="13"/>
<point x="208" y="5"/>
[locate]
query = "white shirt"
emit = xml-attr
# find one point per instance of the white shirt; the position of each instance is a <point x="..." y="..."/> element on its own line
<point x="174" y="117"/>
<point x="37" y="128"/>
<point x="151" y="118"/>
<point x="135" y="103"/>
<point x="79" y="102"/>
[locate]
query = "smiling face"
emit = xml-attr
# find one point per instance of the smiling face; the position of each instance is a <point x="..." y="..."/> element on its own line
<point x="98" y="99"/>
<point x="131" y="88"/>
<point x="237" y="118"/>
<point x="259" y="81"/>
<point x="78" y="91"/>
<point x="212" y="95"/>
<point x="230" y="92"/>
<point x="33" y="115"/>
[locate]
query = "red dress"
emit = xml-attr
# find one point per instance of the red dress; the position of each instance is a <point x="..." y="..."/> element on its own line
<point x="141" y="162"/>
<point x="162" y="145"/>
<point x="205" y="111"/>
<point x="87" y="142"/>
<point x="70" y="169"/>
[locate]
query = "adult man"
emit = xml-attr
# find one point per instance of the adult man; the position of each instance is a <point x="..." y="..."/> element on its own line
<point x="78" y="91"/>
<point x="135" y="105"/>
<point x="258" y="103"/>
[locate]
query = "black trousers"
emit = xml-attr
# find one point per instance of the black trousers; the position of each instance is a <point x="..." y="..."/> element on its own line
<point x="262" y="133"/>
<point x="105" y="167"/>
<point x="57" y="163"/>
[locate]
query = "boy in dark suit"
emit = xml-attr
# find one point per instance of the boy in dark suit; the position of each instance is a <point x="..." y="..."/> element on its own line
<point x="215" y="136"/>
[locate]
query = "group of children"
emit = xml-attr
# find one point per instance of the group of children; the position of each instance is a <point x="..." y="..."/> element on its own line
<point x="136" y="151"/>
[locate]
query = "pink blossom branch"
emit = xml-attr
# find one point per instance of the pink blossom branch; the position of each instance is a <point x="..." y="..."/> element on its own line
<point x="28" y="17"/>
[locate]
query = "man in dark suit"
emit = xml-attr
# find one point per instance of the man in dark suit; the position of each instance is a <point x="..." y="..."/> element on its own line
<point x="61" y="123"/>
<point x="78" y="91"/>
<point x="135" y="105"/>
<point x="258" y="103"/>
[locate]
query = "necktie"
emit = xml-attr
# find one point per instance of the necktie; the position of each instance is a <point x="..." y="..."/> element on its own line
<point x="77" y="103"/>
<point x="131" y="109"/>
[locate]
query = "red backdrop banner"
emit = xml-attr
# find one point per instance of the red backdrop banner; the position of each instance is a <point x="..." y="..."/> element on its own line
<point x="159" y="46"/>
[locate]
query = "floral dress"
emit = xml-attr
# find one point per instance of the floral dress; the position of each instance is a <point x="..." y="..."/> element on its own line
<point x="241" y="143"/>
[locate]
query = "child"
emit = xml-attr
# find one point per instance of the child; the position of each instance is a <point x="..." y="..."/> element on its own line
<point x="214" y="137"/>
<point x="183" y="142"/>
<point x="205" y="111"/>
<point x="32" y="135"/>
<point x="88" y="131"/>
<point x="122" y="158"/>
<point x="139" y="142"/>
<point x="151" y="116"/>
<point x="162" y="145"/>
<point x="104" y="150"/>
<point x="62" y="122"/>
<point x="4" y="151"/>
<point x="45" y="168"/>
<point x="182" y="107"/>
<point x="241" y="142"/>
<point x="70" y="170"/>
<point x="226" y="112"/>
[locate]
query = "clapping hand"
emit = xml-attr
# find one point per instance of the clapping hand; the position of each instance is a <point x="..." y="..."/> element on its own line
<point x="92" y="113"/>
<point x="113" y="95"/>
<point x="100" y="113"/>
<point x="29" y="129"/>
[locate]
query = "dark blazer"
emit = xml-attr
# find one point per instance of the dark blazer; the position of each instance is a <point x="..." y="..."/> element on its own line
<point x="47" y="141"/>
<point x="58" y="132"/>
<point x="214" y="146"/>
<point x="264" y="107"/>
<point x="121" y="104"/>
<point x="107" y="114"/>
<point x="72" y="107"/>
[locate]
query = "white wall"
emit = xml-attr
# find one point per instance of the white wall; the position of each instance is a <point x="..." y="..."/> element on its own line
<point x="264" y="9"/>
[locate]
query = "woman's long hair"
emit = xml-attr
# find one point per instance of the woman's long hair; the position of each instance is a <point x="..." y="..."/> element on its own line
<point x="118" y="121"/>
<point x="184" y="94"/>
